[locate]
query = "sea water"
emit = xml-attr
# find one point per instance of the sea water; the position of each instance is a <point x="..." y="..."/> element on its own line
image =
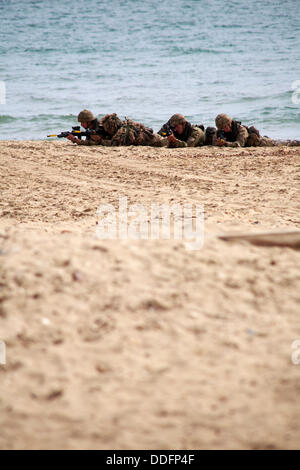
<point x="148" y="60"/>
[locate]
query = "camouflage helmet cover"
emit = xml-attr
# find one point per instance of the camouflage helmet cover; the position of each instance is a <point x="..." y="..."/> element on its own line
<point x="177" y="119"/>
<point x="223" y="120"/>
<point x="111" y="123"/>
<point x="85" y="116"/>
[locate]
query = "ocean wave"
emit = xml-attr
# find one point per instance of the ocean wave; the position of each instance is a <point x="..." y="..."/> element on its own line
<point x="279" y="120"/>
<point x="52" y="117"/>
<point x="6" y="119"/>
<point x="194" y="50"/>
<point x="255" y="98"/>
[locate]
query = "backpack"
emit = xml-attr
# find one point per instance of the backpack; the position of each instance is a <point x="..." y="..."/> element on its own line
<point x="253" y="138"/>
<point x="132" y="133"/>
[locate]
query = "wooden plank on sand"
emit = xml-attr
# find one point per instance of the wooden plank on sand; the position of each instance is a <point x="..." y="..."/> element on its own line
<point x="277" y="238"/>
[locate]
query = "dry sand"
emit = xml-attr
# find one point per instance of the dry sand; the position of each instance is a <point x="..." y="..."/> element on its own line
<point x="145" y="344"/>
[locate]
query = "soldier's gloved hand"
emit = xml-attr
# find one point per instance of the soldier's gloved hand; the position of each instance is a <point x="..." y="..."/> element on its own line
<point x="71" y="137"/>
<point x="96" y="138"/>
<point x="171" y="138"/>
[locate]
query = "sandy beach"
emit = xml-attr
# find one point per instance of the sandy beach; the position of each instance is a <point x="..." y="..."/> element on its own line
<point x="144" y="344"/>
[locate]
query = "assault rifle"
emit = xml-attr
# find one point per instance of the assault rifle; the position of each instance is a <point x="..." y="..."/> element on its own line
<point x="78" y="133"/>
<point x="221" y="135"/>
<point x="168" y="130"/>
<point x="221" y="138"/>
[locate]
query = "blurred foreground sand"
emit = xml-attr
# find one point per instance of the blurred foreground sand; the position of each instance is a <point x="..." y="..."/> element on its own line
<point x="145" y="344"/>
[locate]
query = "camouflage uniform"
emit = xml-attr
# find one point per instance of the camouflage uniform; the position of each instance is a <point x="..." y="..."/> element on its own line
<point x="192" y="136"/>
<point x="128" y="132"/>
<point x="243" y="136"/>
<point x="111" y="124"/>
<point x="94" y="125"/>
<point x="267" y="142"/>
<point x="288" y="143"/>
<point x="256" y="140"/>
<point x="90" y="140"/>
<point x="236" y="137"/>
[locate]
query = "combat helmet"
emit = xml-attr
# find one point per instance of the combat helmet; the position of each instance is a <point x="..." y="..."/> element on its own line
<point x="223" y="120"/>
<point x="177" y="119"/>
<point x="85" y="116"/>
<point x="111" y="123"/>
